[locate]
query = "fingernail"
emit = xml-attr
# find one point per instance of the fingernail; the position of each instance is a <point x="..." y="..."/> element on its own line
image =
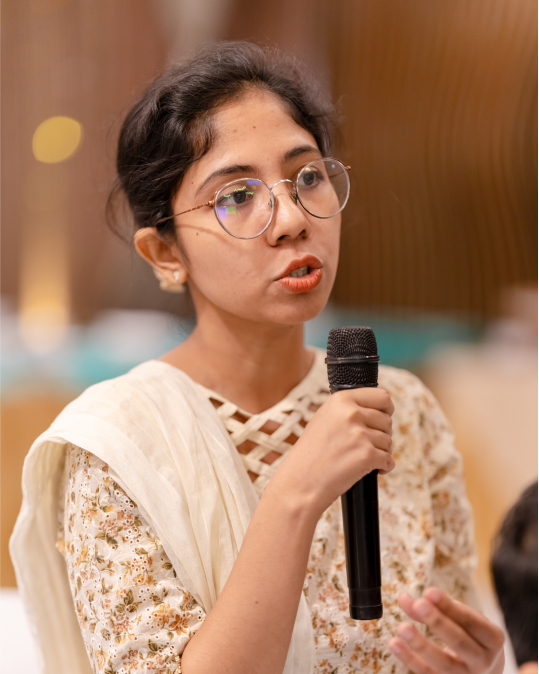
<point x="395" y="646"/>
<point x="422" y="608"/>
<point x="435" y="595"/>
<point x="406" y="632"/>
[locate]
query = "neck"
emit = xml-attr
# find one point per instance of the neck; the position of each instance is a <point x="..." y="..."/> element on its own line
<point x="251" y="364"/>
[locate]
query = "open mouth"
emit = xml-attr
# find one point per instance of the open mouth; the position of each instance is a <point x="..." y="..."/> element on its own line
<point x="302" y="274"/>
<point x="298" y="273"/>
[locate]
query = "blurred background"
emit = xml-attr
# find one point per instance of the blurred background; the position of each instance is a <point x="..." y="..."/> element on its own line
<point x="439" y="252"/>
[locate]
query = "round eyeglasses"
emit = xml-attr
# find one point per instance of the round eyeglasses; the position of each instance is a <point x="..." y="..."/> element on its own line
<point x="245" y="207"/>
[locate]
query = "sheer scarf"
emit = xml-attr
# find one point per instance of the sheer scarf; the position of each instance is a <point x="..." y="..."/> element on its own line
<point x="167" y="448"/>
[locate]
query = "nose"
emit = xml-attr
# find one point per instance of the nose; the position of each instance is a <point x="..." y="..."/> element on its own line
<point x="289" y="219"/>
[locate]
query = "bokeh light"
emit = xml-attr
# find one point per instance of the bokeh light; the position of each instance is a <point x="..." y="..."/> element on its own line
<point x="56" y="139"/>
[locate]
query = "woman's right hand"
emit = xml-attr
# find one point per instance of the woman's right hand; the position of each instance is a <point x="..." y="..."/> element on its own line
<point x="348" y="437"/>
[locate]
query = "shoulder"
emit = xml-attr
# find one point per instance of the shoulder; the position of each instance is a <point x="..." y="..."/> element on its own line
<point x="406" y="388"/>
<point x="135" y="408"/>
<point x="415" y="405"/>
<point x="399" y="381"/>
<point x="143" y="390"/>
<point x="143" y="377"/>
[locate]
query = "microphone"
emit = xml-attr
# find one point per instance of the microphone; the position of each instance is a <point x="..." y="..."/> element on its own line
<point x="352" y="360"/>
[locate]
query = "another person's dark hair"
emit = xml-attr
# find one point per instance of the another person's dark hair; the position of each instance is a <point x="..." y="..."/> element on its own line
<point x="514" y="568"/>
<point x="169" y="127"/>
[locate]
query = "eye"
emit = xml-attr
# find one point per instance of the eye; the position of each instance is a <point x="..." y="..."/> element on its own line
<point x="310" y="177"/>
<point x="235" y="197"/>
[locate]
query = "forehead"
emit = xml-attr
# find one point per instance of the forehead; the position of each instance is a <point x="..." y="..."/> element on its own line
<point x="255" y="115"/>
<point x="257" y="123"/>
<point x="255" y="129"/>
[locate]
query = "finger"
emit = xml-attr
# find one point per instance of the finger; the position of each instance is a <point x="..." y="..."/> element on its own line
<point x="378" y="421"/>
<point x="480" y="628"/>
<point x="374" y="398"/>
<point x="445" y="628"/>
<point x="412" y="660"/>
<point x="380" y="440"/>
<point x="431" y="654"/>
<point x="377" y="459"/>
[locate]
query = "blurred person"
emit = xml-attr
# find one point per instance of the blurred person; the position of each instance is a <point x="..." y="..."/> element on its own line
<point x="195" y="500"/>
<point x="514" y="570"/>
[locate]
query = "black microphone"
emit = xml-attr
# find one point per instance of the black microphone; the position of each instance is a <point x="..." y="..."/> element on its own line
<point x="352" y="360"/>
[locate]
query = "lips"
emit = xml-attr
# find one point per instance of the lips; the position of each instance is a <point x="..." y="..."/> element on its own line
<point x="308" y="276"/>
<point x="310" y="261"/>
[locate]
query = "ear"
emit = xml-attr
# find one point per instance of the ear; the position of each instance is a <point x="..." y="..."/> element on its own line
<point x="163" y="256"/>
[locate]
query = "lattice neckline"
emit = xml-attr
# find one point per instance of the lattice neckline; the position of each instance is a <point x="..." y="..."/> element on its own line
<point x="263" y="440"/>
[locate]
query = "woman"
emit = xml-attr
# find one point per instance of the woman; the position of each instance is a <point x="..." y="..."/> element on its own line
<point x="224" y="164"/>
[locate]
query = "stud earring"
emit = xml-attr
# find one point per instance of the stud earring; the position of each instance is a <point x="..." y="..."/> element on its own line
<point x="170" y="285"/>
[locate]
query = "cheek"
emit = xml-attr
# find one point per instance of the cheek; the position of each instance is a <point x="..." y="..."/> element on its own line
<point x="221" y="266"/>
<point x="329" y="235"/>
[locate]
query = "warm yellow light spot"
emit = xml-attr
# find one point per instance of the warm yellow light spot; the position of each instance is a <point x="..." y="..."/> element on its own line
<point x="44" y="297"/>
<point x="56" y="139"/>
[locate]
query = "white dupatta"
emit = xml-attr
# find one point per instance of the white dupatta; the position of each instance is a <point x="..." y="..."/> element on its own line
<point x="167" y="448"/>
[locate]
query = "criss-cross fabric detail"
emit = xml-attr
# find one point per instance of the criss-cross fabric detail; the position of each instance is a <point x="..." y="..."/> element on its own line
<point x="263" y="440"/>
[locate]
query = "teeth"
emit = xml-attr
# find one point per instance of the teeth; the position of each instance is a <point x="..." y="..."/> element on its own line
<point x="298" y="273"/>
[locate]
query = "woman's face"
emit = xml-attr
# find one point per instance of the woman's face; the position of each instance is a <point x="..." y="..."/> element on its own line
<point x="255" y="137"/>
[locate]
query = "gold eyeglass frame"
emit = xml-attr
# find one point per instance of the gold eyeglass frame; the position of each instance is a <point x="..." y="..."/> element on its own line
<point x="294" y="196"/>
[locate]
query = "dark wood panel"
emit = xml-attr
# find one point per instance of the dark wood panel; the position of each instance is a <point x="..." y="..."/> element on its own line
<point x="87" y="60"/>
<point x="440" y="107"/>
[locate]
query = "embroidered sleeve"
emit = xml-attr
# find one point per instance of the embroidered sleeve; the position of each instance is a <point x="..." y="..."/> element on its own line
<point x="133" y="614"/>
<point x="455" y="559"/>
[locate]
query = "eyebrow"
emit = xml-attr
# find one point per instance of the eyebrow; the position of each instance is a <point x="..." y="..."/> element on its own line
<point x="247" y="168"/>
<point x="298" y="151"/>
<point x="225" y="171"/>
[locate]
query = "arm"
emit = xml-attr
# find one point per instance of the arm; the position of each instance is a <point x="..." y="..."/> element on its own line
<point x="249" y="629"/>
<point x="132" y="612"/>
<point x="250" y="626"/>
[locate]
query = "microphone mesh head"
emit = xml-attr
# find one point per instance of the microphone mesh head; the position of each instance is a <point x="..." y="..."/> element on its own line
<point x="347" y="342"/>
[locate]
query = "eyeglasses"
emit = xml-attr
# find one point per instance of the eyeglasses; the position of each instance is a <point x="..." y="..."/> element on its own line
<point x="245" y="207"/>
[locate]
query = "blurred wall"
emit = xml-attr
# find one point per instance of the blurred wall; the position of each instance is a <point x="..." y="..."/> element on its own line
<point x="439" y="102"/>
<point x="86" y="60"/>
<point x="440" y="108"/>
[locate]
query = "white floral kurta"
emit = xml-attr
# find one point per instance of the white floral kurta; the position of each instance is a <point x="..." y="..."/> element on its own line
<point x="135" y="616"/>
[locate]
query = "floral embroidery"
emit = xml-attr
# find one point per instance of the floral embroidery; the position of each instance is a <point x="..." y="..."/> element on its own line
<point x="135" y="617"/>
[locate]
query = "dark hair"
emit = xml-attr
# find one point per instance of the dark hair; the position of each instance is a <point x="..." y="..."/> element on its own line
<point x="514" y="568"/>
<point x="169" y="127"/>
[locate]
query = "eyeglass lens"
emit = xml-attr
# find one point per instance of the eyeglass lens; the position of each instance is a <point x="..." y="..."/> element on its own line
<point x="323" y="188"/>
<point x="245" y="207"/>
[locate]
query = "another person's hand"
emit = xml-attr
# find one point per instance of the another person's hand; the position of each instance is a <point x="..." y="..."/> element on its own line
<point x="528" y="668"/>
<point x="474" y="644"/>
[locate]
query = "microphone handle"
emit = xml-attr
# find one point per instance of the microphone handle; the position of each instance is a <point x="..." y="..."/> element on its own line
<point x="362" y="548"/>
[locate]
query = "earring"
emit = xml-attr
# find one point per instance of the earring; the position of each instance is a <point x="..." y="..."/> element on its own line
<point x="174" y="285"/>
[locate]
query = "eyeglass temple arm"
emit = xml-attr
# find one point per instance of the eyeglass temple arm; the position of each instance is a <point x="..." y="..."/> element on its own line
<point x="208" y="203"/>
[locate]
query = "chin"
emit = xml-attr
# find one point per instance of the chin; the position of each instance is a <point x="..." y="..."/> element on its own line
<point x="300" y="310"/>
